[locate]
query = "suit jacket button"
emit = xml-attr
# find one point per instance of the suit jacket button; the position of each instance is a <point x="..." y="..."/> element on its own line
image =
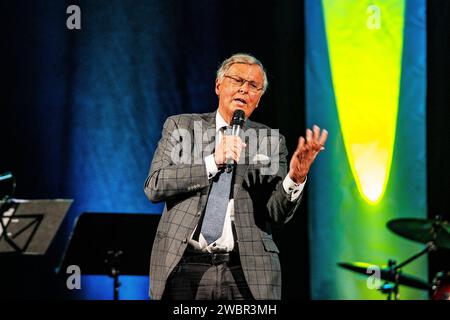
<point x="184" y="240"/>
<point x="198" y="213"/>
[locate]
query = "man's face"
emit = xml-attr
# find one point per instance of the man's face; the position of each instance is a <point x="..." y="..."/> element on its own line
<point x="233" y="95"/>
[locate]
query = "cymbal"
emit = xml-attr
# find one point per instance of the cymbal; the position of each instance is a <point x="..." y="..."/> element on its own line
<point x="423" y="230"/>
<point x="404" y="279"/>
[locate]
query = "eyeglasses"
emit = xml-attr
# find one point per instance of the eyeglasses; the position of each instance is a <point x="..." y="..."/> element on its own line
<point x="239" y="82"/>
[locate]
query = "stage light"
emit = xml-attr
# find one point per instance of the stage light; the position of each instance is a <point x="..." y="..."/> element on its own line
<point x="365" y="46"/>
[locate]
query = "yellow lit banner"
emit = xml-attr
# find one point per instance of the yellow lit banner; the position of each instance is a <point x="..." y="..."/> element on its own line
<point x="365" y="42"/>
<point x="366" y="84"/>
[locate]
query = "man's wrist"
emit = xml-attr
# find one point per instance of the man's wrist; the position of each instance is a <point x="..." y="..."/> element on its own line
<point x="297" y="179"/>
<point x="293" y="189"/>
<point x="218" y="163"/>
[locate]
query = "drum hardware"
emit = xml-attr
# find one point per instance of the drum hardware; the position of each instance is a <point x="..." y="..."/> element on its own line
<point x="435" y="234"/>
<point x="422" y="230"/>
<point x="391" y="274"/>
<point x="441" y="286"/>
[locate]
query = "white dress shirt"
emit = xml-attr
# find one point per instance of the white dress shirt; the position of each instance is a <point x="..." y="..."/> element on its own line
<point x="226" y="241"/>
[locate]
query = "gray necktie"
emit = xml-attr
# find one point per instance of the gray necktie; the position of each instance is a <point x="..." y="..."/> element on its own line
<point x="216" y="207"/>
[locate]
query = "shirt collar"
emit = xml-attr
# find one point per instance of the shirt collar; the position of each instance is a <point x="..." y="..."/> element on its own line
<point x="220" y="123"/>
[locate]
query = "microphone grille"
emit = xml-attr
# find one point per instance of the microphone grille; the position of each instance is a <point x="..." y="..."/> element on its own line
<point x="238" y="117"/>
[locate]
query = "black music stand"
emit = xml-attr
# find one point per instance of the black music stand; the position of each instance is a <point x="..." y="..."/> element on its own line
<point x="111" y="244"/>
<point x="28" y="227"/>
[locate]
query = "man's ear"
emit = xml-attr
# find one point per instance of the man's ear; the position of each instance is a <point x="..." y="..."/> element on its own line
<point x="217" y="89"/>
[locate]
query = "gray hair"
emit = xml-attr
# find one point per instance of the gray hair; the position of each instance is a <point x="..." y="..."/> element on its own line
<point x="245" y="59"/>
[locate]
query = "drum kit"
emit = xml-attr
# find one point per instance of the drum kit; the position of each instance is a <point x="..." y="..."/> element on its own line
<point x="435" y="233"/>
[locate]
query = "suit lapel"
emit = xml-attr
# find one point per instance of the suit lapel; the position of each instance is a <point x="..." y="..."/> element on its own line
<point x="206" y="132"/>
<point x="209" y="133"/>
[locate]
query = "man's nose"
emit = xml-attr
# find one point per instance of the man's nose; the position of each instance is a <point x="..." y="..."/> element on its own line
<point x="244" y="87"/>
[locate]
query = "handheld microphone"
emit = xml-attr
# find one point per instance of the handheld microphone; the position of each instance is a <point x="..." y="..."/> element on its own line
<point x="237" y="122"/>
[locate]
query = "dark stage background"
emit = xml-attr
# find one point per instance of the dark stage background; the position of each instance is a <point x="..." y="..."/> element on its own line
<point x="82" y="110"/>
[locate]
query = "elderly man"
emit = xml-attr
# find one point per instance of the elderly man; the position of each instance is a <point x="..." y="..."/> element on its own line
<point x="214" y="239"/>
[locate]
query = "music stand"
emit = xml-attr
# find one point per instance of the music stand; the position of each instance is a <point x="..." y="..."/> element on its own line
<point x="111" y="244"/>
<point x="28" y="226"/>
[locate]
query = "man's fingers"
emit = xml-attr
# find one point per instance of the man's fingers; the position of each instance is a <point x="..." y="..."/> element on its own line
<point x="233" y="149"/>
<point x="233" y="146"/>
<point x="237" y="149"/>
<point x="308" y="136"/>
<point x="231" y="154"/>
<point x="316" y="131"/>
<point x="233" y="140"/>
<point x="308" y="149"/>
<point x="323" y="138"/>
<point x="300" y="145"/>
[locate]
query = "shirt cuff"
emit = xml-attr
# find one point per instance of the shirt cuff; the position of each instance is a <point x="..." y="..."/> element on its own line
<point x="211" y="167"/>
<point x="292" y="188"/>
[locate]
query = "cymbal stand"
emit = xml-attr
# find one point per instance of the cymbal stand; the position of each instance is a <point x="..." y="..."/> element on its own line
<point x="395" y="271"/>
<point x="428" y="248"/>
<point x="392" y="288"/>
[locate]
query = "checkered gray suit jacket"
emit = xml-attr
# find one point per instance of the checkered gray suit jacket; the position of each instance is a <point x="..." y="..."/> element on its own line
<point x="259" y="202"/>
